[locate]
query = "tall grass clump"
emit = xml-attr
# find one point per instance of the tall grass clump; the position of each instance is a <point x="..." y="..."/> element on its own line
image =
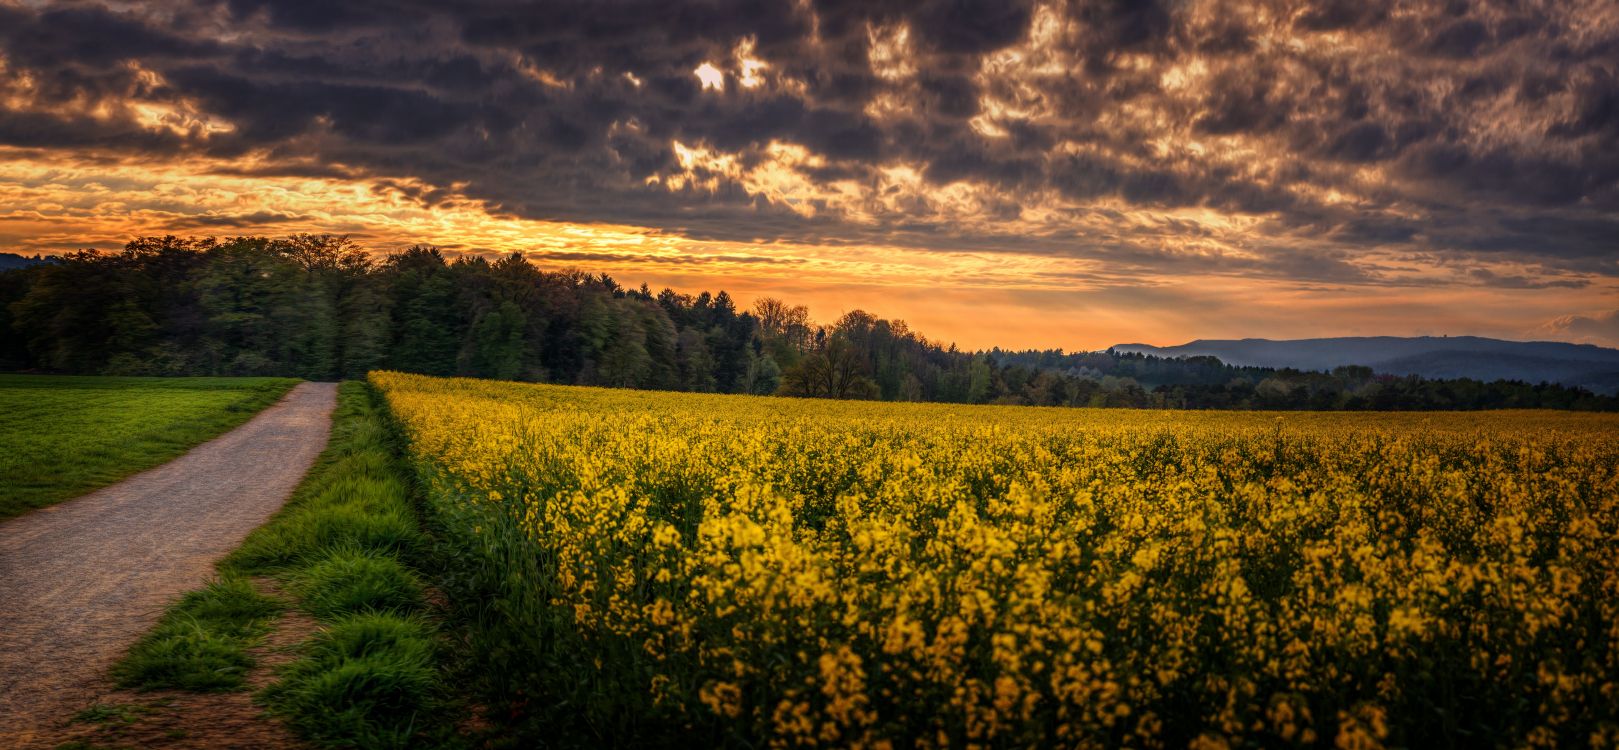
<point x="364" y="680"/>
<point x="349" y="581"/>
<point x="202" y="642"/>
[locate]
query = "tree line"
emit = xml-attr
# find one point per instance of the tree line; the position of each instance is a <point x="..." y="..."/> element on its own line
<point x="320" y="307"/>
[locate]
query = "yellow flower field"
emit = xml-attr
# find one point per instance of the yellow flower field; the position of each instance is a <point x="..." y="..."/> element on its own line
<point x="661" y="568"/>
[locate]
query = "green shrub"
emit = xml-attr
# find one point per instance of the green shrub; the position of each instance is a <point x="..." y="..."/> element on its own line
<point x="231" y="605"/>
<point x="365" y="681"/>
<point x="312" y="532"/>
<point x="364" y="634"/>
<point x="353" y="580"/>
<point x="202" y="643"/>
<point x="186" y="656"/>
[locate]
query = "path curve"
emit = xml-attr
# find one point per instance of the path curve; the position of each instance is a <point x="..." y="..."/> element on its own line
<point x="81" y="580"/>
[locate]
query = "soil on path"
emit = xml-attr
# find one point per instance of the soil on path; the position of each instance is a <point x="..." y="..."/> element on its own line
<point x="82" y="580"/>
<point x="179" y="720"/>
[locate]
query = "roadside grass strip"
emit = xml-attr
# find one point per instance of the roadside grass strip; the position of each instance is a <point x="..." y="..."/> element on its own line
<point x="342" y="551"/>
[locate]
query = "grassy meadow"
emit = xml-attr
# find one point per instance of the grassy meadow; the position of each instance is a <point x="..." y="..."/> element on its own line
<point x="660" y="569"/>
<point x="62" y="436"/>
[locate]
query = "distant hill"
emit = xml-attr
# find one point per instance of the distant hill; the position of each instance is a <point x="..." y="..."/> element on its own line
<point x="9" y="261"/>
<point x="1593" y="367"/>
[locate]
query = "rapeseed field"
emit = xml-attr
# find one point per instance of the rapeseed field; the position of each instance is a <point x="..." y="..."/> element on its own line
<point x="668" y="569"/>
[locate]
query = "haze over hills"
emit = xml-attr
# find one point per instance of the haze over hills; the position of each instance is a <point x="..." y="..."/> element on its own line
<point x="12" y="260"/>
<point x="1584" y="365"/>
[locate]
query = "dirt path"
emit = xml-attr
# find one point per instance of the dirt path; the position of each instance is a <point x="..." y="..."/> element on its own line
<point x="80" y="581"/>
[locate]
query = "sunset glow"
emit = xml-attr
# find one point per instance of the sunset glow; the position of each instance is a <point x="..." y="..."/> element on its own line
<point x="1042" y="175"/>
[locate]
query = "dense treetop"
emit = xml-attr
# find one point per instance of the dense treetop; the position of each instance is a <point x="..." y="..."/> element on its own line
<point x="320" y="307"/>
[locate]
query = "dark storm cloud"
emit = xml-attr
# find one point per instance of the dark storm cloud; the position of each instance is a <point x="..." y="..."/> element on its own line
<point x="208" y="222"/>
<point x="86" y="37"/>
<point x="1473" y="129"/>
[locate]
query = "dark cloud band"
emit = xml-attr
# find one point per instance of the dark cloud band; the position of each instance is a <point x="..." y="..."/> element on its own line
<point x="1341" y="132"/>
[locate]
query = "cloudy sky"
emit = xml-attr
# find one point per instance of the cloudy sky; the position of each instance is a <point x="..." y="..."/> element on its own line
<point x="1069" y="174"/>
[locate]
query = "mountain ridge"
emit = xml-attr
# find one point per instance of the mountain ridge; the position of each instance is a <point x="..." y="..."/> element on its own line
<point x="9" y="261"/>
<point x="1585" y="365"/>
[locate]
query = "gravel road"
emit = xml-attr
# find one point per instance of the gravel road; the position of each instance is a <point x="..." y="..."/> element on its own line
<point x="81" y="580"/>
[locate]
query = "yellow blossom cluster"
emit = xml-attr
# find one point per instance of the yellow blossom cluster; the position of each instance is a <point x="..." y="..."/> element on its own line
<point x="785" y="572"/>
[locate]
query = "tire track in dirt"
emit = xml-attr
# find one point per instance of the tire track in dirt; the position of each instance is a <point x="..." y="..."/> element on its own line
<point x="81" y="580"/>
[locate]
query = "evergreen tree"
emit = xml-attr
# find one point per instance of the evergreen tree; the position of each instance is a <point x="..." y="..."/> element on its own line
<point x="695" y="362"/>
<point x="365" y="329"/>
<point x="426" y="323"/>
<point x="980" y="380"/>
<point x="497" y="342"/>
<point x="764" y="375"/>
<point x="624" y="359"/>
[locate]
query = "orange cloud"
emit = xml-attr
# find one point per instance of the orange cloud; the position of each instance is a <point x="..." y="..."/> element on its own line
<point x="1016" y="172"/>
<point x="976" y="299"/>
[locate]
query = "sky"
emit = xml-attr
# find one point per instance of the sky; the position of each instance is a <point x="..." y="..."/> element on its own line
<point x="995" y="172"/>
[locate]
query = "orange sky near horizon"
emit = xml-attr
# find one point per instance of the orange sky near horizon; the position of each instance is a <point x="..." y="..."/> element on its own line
<point x="1012" y="173"/>
<point x="976" y="300"/>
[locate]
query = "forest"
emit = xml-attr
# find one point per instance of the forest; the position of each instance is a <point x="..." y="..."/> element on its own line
<point x="321" y="307"/>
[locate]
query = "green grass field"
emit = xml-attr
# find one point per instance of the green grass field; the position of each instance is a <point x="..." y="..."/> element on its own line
<point x="62" y="436"/>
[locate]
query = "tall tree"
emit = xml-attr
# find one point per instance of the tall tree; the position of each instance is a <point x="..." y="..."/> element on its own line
<point x="497" y="342"/>
<point x="251" y="299"/>
<point x="426" y="320"/>
<point x="695" y="362"/>
<point x="834" y="371"/>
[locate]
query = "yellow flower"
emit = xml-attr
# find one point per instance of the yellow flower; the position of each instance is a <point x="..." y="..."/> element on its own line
<point x="943" y="575"/>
